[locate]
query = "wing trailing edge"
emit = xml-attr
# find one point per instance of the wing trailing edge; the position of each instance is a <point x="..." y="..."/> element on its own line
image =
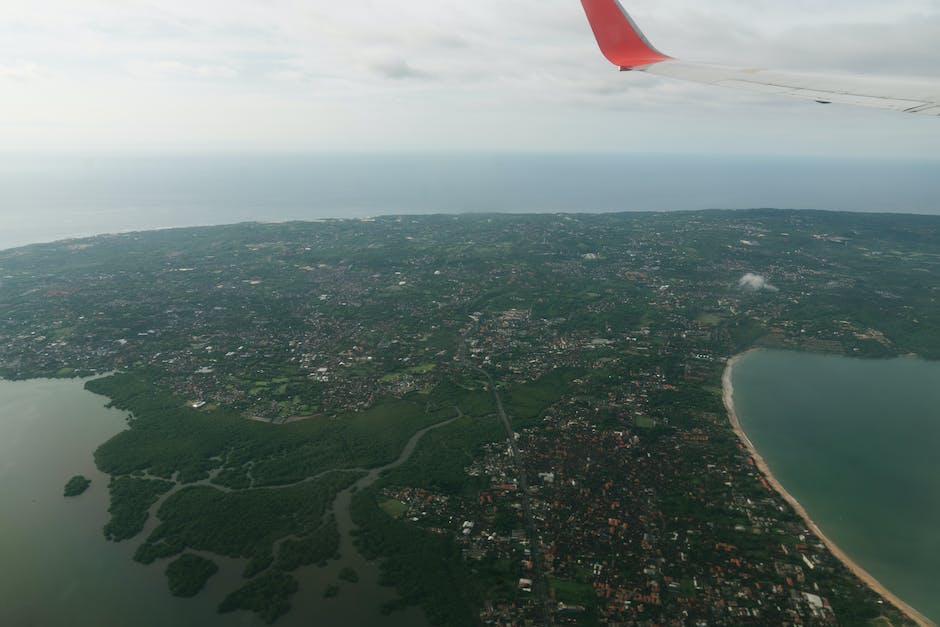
<point x="625" y="45"/>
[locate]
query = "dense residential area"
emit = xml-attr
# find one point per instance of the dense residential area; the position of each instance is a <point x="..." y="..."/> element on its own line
<point x="590" y="476"/>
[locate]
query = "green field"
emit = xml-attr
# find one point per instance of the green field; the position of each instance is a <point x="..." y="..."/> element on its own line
<point x="645" y="422"/>
<point x="393" y="508"/>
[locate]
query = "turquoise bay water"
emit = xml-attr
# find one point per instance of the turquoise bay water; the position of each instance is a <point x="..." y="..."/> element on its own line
<point x="858" y="444"/>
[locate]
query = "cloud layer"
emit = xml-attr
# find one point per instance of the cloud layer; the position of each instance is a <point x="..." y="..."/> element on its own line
<point x="443" y="75"/>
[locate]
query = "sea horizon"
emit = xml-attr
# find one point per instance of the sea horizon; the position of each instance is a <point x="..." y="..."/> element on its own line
<point x="48" y="198"/>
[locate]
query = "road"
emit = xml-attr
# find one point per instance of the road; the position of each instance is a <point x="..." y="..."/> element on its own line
<point x="539" y="588"/>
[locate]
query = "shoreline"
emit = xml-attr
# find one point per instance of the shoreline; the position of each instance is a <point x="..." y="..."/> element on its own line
<point x="867" y="578"/>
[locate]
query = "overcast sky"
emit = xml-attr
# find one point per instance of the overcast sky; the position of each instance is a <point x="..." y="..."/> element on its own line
<point x="444" y="75"/>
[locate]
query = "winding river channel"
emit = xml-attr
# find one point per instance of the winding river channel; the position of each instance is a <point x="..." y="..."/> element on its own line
<point x="59" y="569"/>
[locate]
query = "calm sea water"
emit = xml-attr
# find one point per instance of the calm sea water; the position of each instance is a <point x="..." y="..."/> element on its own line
<point x="43" y="198"/>
<point x="59" y="571"/>
<point x="856" y="442"/>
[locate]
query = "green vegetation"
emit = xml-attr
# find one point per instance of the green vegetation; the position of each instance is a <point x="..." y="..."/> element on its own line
<point x="131" y="500"/>
<point x="393" y="507"/>
<point x="319" y="546"/>
<point x="575" y="593"/>
<point x="246" y="523"/>
<point x="77" y="485"/>
<point x="166" y="437"/>
<point x="425" y="568"/>
<point x="258" y="563"/>
<point x="527" y="403"/>
<point x="187" y="575"/>
<point x="268" y="595"/>
<point x="442" y="456"/>
<point x="331" y="591"/>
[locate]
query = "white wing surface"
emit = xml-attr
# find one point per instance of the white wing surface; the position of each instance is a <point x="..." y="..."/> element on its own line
<point x="624" y="45"/>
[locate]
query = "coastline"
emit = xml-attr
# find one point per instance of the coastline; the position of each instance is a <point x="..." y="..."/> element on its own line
<point x="842" y="556"/>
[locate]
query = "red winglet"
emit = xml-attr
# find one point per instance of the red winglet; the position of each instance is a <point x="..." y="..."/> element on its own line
<point x="618" y="36"/>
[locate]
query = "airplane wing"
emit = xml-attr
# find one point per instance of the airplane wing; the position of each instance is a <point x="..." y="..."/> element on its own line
<point x="624" y="45"/>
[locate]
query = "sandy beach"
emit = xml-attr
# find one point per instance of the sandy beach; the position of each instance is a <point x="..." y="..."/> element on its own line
<point x="861" y="573"/>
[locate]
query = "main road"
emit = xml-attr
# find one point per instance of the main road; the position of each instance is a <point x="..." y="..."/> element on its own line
<point x="538" y="557"/>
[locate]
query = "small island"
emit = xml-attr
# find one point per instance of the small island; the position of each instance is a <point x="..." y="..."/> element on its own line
<point x="187" y="575"/>
<point x="77" y="485"/>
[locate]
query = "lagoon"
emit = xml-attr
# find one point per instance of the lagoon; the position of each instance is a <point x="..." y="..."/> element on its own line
<point x="58" y="569"/>
<point x="856" y="442"/>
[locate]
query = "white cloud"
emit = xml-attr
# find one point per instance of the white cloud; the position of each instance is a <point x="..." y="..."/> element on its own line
<point x="22" y="71"/>
<point x="457" y="75"/>
<point x="755" y="283"/>
<point x="188" y="70"/>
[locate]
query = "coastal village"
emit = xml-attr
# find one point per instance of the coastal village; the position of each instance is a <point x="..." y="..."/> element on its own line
<point x="622" y="496"/>
<point x="606" y="544"/>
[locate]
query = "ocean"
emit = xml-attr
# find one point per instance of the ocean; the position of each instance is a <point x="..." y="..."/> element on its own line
<point x="855" y="442"/>
<point x="49" y="197"/>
